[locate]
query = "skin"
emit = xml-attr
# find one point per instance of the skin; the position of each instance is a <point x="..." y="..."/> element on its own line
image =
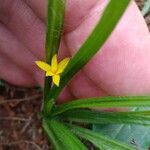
<point x="121" y="68"/>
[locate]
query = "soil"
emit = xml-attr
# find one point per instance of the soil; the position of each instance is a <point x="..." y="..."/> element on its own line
<point x="20" y="128"/>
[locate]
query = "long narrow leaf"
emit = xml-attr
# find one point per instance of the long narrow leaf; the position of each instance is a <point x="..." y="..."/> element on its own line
<point x="55" y="19"/>
<point x="97" y="117"/>
<point x="99" y="140"/>
<point x="104" y="102"/>
<point x="51" y="136"/>
<point x="65" y="136"/>
<point x="95" y="41"/>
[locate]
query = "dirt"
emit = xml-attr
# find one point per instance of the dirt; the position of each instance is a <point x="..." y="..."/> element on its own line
<point x="20" y="128"/>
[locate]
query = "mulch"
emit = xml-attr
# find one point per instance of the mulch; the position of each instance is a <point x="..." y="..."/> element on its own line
<point x="20" y="128"/>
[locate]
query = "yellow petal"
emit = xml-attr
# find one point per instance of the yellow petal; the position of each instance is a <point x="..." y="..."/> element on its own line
<point x="62" y="65"/>
<point x="54" y="63"/>
<point x="44" y="66"/>
<point x="49" y="73"/>
<point x="56" y="79"/>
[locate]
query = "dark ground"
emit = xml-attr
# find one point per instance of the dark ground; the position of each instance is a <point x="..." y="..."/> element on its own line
<point x="20" y="128"/>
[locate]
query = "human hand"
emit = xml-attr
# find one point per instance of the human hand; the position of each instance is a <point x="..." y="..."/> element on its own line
<point x="121" y="68"/>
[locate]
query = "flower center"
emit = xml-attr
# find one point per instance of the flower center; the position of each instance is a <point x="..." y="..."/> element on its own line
<point x="54" y="70"/>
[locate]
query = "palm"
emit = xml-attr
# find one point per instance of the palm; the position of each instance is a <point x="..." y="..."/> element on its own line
<point x="121" y="68"/>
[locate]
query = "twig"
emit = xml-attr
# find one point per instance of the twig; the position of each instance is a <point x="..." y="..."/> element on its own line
<point x="25" y="126"/>
<point x="19" y="142"/>
<point x="34" y="144"/>
<point x="20" y="100"/>
<point x="15" y="119"/>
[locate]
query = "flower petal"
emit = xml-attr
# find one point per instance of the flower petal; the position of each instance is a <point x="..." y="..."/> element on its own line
<point x="49" y="73"/>
<point x="62" y="65"/>
<point x="56" y="79"/>
<point x="44" y="66"/>
<point x="54" y="63"/>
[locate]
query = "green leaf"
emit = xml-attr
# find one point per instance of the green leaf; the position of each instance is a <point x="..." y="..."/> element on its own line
<point x="97" y="117"/>
<point x="99" y="140"/>
<point x="55" y="20"/>
<point x="64" y="136"/>
<point x="51" y="136"/>
<point x="146" y="8"/>
<point x="104" y="102"/>
<point x="91" y="46"/>
<point x="139" y="135"/>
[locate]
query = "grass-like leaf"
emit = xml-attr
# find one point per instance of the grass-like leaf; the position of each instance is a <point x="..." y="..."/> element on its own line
<point x="51" y="136"/>
<point x="56" y="10"/>
<point x="104" y="102"/>
<point x="55" y="20"/>
<point x="97" y="117"/>
<point x="99" y="140"/>
<point x="63" y="136"/>
<point x="95" y="41"/>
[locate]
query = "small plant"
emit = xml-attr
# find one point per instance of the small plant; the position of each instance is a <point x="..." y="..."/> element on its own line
<point x="67" y="125"/>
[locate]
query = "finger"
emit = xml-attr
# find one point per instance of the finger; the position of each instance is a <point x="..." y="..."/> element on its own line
<point x="19" y="54"/>
<point x="14" y="75"/>
<point x="122" y="67"/>
<point x="89" y="89"/>
<point x="21" y="20"/>
<point x="83" y="87"/>
<point x="73" y="16"/>
<point x="65" y="95"/>
<point x="39" y="7"/>
<point x="15" y="51"/>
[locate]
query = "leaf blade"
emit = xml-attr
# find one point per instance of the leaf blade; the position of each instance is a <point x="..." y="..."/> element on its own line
<point x="65" y="136"/>
<point x="51" y="136"/>
<point x="99" y="140"/>
<point x="94" y="42"/>
<point x="97" y="117"/>
<point x="55" y="20"/>
<point x="104" y="102"/>
<point x="146" y="8"/>
<point x="138" y="135"/>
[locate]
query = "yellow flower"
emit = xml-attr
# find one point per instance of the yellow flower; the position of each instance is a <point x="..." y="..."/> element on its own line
<point x="54" y="69"/>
